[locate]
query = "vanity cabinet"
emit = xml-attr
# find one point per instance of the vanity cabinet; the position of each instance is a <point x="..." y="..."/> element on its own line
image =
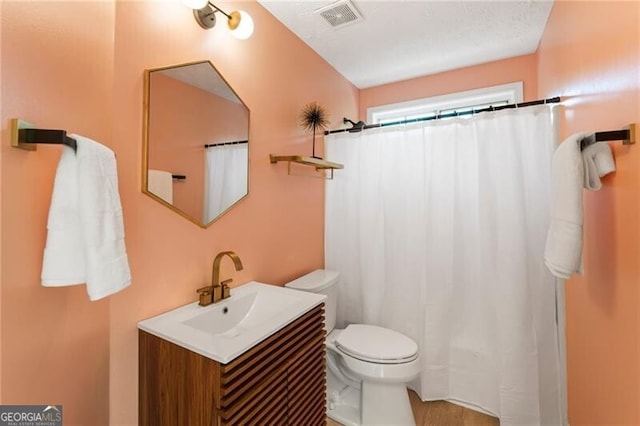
<point x="279" y="381"/>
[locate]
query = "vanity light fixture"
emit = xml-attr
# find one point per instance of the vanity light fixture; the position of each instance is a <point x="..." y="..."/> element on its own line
<point x="238" y="21"/>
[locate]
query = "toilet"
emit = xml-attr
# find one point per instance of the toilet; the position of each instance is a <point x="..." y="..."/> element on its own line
<point x="368" y="367"/>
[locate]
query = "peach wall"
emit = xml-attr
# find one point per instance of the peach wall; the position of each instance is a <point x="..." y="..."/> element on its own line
<point x="84" y="355"/>
<point x="277" y="230"/>
<point x="57" y="347"/>
<point x="590" y="55"/>
<point x="3" y="141"/>
<point x="521" y="68"/>
<point x="55" y="343"/>
<point x="182" y="120"/>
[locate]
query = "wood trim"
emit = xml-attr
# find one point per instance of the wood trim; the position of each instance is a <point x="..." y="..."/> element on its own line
<point x="254" y="409"/>
<point x="280" y="420"/>
<point x="273" y="416"/>
<point x="306" y="383"/>
<point x="303" y="394"/>
<point x="320" y="417"/>
<point x="301" y="417"/>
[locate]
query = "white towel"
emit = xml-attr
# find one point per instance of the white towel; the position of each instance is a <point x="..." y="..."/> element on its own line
<point x="160" y="183"/>
<point x="85" y="238"/>
<point x="563" y="249"/>
<point x="64" y="262"/>
<point x="598" y="161"/>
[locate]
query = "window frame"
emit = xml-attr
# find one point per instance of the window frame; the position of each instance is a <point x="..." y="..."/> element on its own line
<point x="436" y="105"/>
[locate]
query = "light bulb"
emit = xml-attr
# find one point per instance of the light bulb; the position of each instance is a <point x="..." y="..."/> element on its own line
<point x="195" y="4"/>
<point x="240" y="24"/>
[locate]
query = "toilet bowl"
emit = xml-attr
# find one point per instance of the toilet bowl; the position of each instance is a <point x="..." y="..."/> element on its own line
<point x="368" y="366"/>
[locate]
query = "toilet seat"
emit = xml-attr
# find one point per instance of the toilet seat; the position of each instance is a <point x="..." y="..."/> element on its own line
<point x="377" y="345"/>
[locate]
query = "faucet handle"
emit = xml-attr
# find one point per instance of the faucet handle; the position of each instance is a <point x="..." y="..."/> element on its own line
<point x="205" y="295"/>
<point x="226" y="291"/>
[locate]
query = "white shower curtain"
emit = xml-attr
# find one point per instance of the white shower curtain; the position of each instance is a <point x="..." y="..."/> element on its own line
<point x="225" y="180"/>
<point x="438" y="231"/>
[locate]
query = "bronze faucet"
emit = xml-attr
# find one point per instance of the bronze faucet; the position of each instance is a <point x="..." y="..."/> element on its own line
<point x="218" y="291"/>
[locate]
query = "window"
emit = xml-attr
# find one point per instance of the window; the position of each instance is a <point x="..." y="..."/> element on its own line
<point x="454" y="102"/>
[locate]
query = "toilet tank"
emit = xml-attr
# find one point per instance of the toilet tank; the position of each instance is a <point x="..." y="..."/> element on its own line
<point x="324" y="282"/>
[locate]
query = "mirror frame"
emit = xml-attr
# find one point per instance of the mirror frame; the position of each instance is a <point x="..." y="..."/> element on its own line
<point x="145" y="142"/>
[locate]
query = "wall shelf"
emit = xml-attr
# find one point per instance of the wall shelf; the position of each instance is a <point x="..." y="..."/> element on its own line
<point x="318" y="163"/>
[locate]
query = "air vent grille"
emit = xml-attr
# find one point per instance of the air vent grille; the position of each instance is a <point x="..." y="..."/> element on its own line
<point x="340" y="13"/>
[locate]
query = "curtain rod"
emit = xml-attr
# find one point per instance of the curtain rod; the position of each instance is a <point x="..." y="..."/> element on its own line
<point x="225" y="143"/>
<point x="449" y="115"/>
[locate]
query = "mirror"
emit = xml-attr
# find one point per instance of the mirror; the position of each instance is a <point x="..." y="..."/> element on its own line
<point x="196" y="141"/>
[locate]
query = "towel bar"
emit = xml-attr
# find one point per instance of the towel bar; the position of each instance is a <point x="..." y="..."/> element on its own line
<point x="24" y="135"/>
<point x="628" y="136"/>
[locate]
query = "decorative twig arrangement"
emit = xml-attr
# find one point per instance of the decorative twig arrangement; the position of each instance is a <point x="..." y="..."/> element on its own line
<point x="313" y="117"/>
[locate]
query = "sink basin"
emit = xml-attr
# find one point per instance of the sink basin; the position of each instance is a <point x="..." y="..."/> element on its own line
<point x="224" y="330"/>
<point x="244" y="311"/>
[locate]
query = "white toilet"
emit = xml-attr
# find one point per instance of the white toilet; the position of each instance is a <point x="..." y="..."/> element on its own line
<point x="368" y="367"/>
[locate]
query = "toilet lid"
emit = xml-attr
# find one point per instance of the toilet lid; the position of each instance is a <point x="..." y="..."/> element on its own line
<point x="376" y="344"/>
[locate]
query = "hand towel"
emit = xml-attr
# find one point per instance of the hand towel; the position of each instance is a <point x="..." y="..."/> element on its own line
<point x="598" y="161"/>
<point x="98" y="255"/>
<point x="160" y="183"/>
<point x="563" y="248"/>
<point x="63" y="262"/>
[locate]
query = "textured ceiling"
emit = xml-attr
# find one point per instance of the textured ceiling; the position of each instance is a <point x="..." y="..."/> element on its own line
<point x="397" y="40"/>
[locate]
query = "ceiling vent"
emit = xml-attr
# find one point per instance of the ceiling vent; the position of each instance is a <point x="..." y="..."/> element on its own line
<point x="340" y="14"/>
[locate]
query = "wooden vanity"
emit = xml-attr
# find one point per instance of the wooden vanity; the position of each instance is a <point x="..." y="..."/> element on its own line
<point x="280" y="381"/>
